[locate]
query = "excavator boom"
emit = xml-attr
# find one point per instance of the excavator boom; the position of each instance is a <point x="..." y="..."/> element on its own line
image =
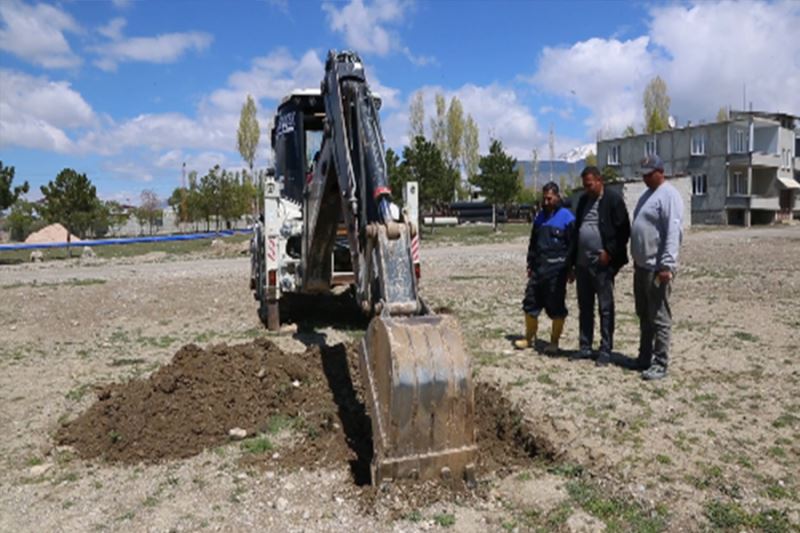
<point x="415" y="369"/>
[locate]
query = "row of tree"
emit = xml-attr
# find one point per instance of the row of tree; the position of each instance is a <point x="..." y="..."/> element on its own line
<point x="448" y="161"/>
<point x="220" y="196"/>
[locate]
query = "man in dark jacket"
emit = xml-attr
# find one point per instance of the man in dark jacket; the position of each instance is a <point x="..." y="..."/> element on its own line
<point x="548" y="252"/>
<point x="599" y="250"/>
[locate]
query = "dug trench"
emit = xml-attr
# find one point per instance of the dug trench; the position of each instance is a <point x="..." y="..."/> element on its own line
<point x="192" y="403"/>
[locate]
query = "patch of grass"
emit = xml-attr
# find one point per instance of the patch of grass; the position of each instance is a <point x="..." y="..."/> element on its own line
<point x="413" y="516"/>
<point x="731" y="516"/>
<point x="557" y="517"/>
<point x="444" y="519"/>
<point x="77" y="393"/>
<point x="786" y="420"/>
<point x="470" y="234"/>
<point x="34" y="461"/>
<point x="777" y="451"/>
<point x="663" y="459"/>
<point x="745" y="336"/>
<point x="545" y="379"/>
<point x="277" y="423"/>
<point x="619" y="514"/>
<point x="258" y="444"/>
<point x="524" y="476"/>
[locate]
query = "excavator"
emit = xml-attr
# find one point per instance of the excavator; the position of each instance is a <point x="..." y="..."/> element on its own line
<point x="329" y="220"/>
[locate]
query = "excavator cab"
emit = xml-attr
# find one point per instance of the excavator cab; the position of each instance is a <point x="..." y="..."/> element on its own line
<point x="330" y="159"/>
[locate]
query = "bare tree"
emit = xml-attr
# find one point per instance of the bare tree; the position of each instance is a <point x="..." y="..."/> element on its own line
<point x="249" y="133"/>
<point x="416" y="117"/>
<point x="656" y="105"/>
<point x="470" y="158"/>
<point x="439" y="124"/>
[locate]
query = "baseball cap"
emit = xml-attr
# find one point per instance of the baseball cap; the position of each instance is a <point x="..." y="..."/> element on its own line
<point x="650" y="163"/>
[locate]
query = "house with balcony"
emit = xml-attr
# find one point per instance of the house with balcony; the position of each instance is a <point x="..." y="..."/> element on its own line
<point x="745" y="170"/>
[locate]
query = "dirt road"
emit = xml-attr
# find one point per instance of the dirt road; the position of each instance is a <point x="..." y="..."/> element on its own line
<point x="714" y="446"/>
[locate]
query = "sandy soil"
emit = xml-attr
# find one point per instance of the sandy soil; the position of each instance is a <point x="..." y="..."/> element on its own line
<point x="716" y="445"/>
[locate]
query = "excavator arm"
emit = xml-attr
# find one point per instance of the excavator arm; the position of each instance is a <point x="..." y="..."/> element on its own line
<point x="416" y="371"/>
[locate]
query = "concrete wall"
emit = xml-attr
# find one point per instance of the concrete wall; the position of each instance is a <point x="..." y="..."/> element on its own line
<point x="169" y="225"/>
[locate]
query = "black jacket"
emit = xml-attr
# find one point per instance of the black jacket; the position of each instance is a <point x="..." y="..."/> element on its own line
<point x="614" y="225"/>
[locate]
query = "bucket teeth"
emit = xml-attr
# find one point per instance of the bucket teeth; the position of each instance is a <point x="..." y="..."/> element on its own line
<point x="419" y="392"/>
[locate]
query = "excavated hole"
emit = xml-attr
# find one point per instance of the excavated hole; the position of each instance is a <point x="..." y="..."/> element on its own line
<point x="191" y="404"/>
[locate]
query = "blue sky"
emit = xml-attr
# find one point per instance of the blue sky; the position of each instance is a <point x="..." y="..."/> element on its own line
<point x="126" y="91"/>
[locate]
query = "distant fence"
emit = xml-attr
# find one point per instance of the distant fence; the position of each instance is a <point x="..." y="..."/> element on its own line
<point x="129" y="240"/>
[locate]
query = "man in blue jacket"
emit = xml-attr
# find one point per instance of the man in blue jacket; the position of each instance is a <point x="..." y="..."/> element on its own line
<point x="548" y="250"/>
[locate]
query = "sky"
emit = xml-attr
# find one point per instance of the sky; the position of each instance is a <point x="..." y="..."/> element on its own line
<point x="126" y="91"/>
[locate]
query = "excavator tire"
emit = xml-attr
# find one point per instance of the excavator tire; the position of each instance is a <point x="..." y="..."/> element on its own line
<point x="420" y="397"/>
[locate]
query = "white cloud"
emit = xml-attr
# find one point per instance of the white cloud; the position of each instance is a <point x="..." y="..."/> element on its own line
<point x="35" y="112"/>
<point x="164" y="48"/>
<point x="36" y="34"/>
<point x="604" y="75"/>
<point x="121" y="4"/>
<point x="496" y="109"/>
<point x="705" y="52"/>
<point x="113" y="30"/>
<point x="367" y="27"/>
<point x="713" y="49"/>
<point x="128" y="170"/>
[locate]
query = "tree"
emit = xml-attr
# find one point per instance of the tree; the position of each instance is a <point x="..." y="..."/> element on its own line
<point x="117" y="216"/>
<point x="630" y="131"/>
<point x="22" y="220"/>
<point x="656" y="105"/>
<point x="439" y="125"/>
<point x="609" y="174"/>
<point x="722" y="114"/>
<point x="416" y="117"/>
<point x="498" y="180"/>
<point x="149" y="211"/>
<point x="591" y="159"/>
<point x="248" y="134"/>
<point x="70" y="200"/>
<point x="424" y="163"/>
<point x="398" y="175"/>
<point x="8" y="195"/>
<point x="455" y="138"/>
<point x="469" y="155"/>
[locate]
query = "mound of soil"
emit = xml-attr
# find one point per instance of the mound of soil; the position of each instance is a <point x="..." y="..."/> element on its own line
<point x="192" y="403"/>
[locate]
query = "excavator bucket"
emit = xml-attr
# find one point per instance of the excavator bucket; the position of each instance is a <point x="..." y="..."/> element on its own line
<point x="419" y="393"/>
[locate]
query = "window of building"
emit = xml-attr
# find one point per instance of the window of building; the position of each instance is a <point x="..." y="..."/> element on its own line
<point x="699" y="185"/>
<point x="738" y="184"/>
<point x="613" y="154"/>
<point x="739" y="141"/>
<point x="650" y="147"/>
<point x="699" y="143"/>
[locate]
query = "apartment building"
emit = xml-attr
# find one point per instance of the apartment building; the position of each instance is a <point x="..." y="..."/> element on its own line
<point x="745" y="170"/>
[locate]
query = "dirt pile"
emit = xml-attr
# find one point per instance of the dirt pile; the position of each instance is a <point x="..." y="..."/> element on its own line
<point x="51" y="233"/>
<point x="192" y="403"/>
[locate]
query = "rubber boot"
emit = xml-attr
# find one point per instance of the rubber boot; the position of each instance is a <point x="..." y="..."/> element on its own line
<point x="531" y="326"/>
<point x="555" y="335"/>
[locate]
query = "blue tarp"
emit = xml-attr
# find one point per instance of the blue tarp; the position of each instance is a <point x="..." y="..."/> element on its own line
<point x="129" y="240"/>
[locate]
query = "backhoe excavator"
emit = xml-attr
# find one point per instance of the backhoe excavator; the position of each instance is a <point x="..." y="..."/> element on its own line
<point x="328" y="219"/>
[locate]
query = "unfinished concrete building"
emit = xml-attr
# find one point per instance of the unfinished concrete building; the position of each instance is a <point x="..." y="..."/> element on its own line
<point x="745" y="170"/>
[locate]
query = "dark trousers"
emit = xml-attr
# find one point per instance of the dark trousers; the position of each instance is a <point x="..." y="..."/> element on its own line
<point x="596" y="282"/>
<point x="546" y="293"/>
<point x="655" y="317"/>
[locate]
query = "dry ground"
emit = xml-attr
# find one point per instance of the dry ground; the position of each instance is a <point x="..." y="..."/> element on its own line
<point x="716" y="445"/>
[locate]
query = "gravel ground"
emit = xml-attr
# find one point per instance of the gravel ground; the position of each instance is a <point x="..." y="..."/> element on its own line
<point x="713" y="446"/>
